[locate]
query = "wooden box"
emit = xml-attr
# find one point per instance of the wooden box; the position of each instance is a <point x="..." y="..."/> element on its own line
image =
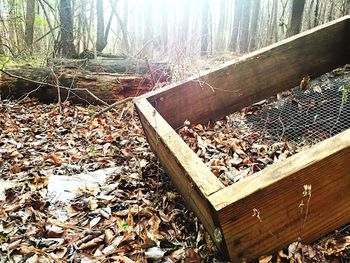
<point x="277" y="191"/>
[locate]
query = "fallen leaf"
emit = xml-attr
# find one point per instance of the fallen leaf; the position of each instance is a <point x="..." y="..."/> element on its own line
<point x="154" y="253"/>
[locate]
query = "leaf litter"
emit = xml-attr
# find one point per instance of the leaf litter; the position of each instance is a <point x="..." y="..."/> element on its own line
<point x="83" y="189"/>
<point x="56" y="208"/>
<point x="269" y="131"/>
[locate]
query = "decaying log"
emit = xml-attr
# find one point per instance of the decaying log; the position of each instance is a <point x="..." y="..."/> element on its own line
<point x="159" y="70"/>
<point x="74" y="84"/>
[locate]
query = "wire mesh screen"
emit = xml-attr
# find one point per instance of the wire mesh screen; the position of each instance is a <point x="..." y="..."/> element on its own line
<point x="306" y="116"/>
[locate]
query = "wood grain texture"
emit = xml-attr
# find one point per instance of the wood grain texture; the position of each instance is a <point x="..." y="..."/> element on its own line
<point x="215" y="93"/>
<point x="277" y="191"/>
<point x="191" y="176"/>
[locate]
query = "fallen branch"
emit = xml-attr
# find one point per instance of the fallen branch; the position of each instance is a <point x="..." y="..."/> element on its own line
<point x="115" y="104"/>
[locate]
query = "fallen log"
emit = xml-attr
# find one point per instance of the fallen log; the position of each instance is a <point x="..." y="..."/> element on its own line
<point x="159" y="70"/>
<point x="73" y="84"/>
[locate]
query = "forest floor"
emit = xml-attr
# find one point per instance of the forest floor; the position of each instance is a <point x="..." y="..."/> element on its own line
<point x="133" y="213"/>
<point x="122" y="208"/>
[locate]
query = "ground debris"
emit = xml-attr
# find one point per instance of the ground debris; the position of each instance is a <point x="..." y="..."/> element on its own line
<point x="130" y="213"/>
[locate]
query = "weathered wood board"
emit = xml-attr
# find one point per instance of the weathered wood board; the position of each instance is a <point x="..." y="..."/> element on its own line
<point x="236" y="84"/>
<point x="276" y="192"/>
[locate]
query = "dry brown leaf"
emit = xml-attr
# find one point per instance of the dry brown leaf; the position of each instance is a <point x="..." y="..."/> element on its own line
<point x="92" y="243"/>
<point x="95" y="221"/>
<point x="235" y="145"/>
<point x="53" y="231"/>
<point x="15" y="169"/>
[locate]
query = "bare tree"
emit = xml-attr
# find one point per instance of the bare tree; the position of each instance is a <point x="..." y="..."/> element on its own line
<point x="297" y="16"/>
<point x="317" y="9"/>
<point x="164" y="38"/>
<point x="254" y="25"/>
<point x="204" y="24"/>
<point x="102" y="34"/>
<point x="244" y="32"/>
<point x="29" y="28"/>
<point x="67" y="40"/>
<point x="237" y="17"/>
<point x="220" y="33"/>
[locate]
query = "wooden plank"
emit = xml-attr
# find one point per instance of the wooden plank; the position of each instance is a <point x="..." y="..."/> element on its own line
<point x="191" y="176"/>
<point x="277" y="192"/>
<point x="233" y="85"/>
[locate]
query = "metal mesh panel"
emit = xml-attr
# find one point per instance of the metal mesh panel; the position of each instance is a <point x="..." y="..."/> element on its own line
<point x="305" y="116"/>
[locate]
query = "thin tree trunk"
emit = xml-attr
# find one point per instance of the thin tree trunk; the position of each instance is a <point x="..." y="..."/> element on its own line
<point x="164" y="34"/>
<point x="220" y="37"/>
<point x="273" y="32"/>
<point x="204" y="24"/>
<point x="244" y="44"/>
<point x="125" y="43"/>
<point x="330" y="15"/>
<point x="29" y="29"/>
<point x="2" y="52"/>
<point x="67" y="40"/>
<point x="297" y="16"/>
<point x="100" y="37"/>
<point x="183" y="40"/>
<point x="122" y="27"/>
<point x="317" y="7"/>
<point x="236" y="24"/>
<point x="254" y="25"/>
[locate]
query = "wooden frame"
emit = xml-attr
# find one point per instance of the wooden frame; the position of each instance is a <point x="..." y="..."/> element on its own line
<point x="277" y="191"/>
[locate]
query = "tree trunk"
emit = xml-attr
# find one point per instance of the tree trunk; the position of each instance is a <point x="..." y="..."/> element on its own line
<point x="205" y="33"/>
<point x="236" y="24"/>
<point x="244" y="43"/>
<point x="316" y="18"/>
<point x="254" y="25"/>
<point x="125" y="43"/>
<point x="164" y="35"/>
<point x="67" y="40"/>
<point x="101" y="42"/>
<point x="73" y="85"/>
<point x="297" y="16"/>
<point x="148" y="33"/>
<point x="184" y="26"/>
<point x="2" y="52"/>
<point x="220" y="33"/>
<point x="29" y="28"/>
<point x="273" y="27"/>
<point x="160" y="71"/>
<point x="122" y="27"/>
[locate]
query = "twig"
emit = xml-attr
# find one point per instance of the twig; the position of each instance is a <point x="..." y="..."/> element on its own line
<point x="54" y="86"/>
<point x="115" y="104"/>
<point x="58" y="90"/>
<point x="151" y="72"/>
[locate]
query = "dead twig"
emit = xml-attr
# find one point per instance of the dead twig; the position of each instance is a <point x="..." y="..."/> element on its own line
<point x="115" y="104"/>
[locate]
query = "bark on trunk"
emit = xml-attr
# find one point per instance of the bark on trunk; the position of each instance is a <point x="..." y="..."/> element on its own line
<point x="29" y="29"/>
<point x="244" y="41"/>
<point x="160" y="71"/>
<point x="297" y="16"/>
<point x="254" y="25"/>
<point x="106" y="86"/>
<point x="205" y="31"/>
<point x="68" y="49"/>
<point x="236" y="24"/>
